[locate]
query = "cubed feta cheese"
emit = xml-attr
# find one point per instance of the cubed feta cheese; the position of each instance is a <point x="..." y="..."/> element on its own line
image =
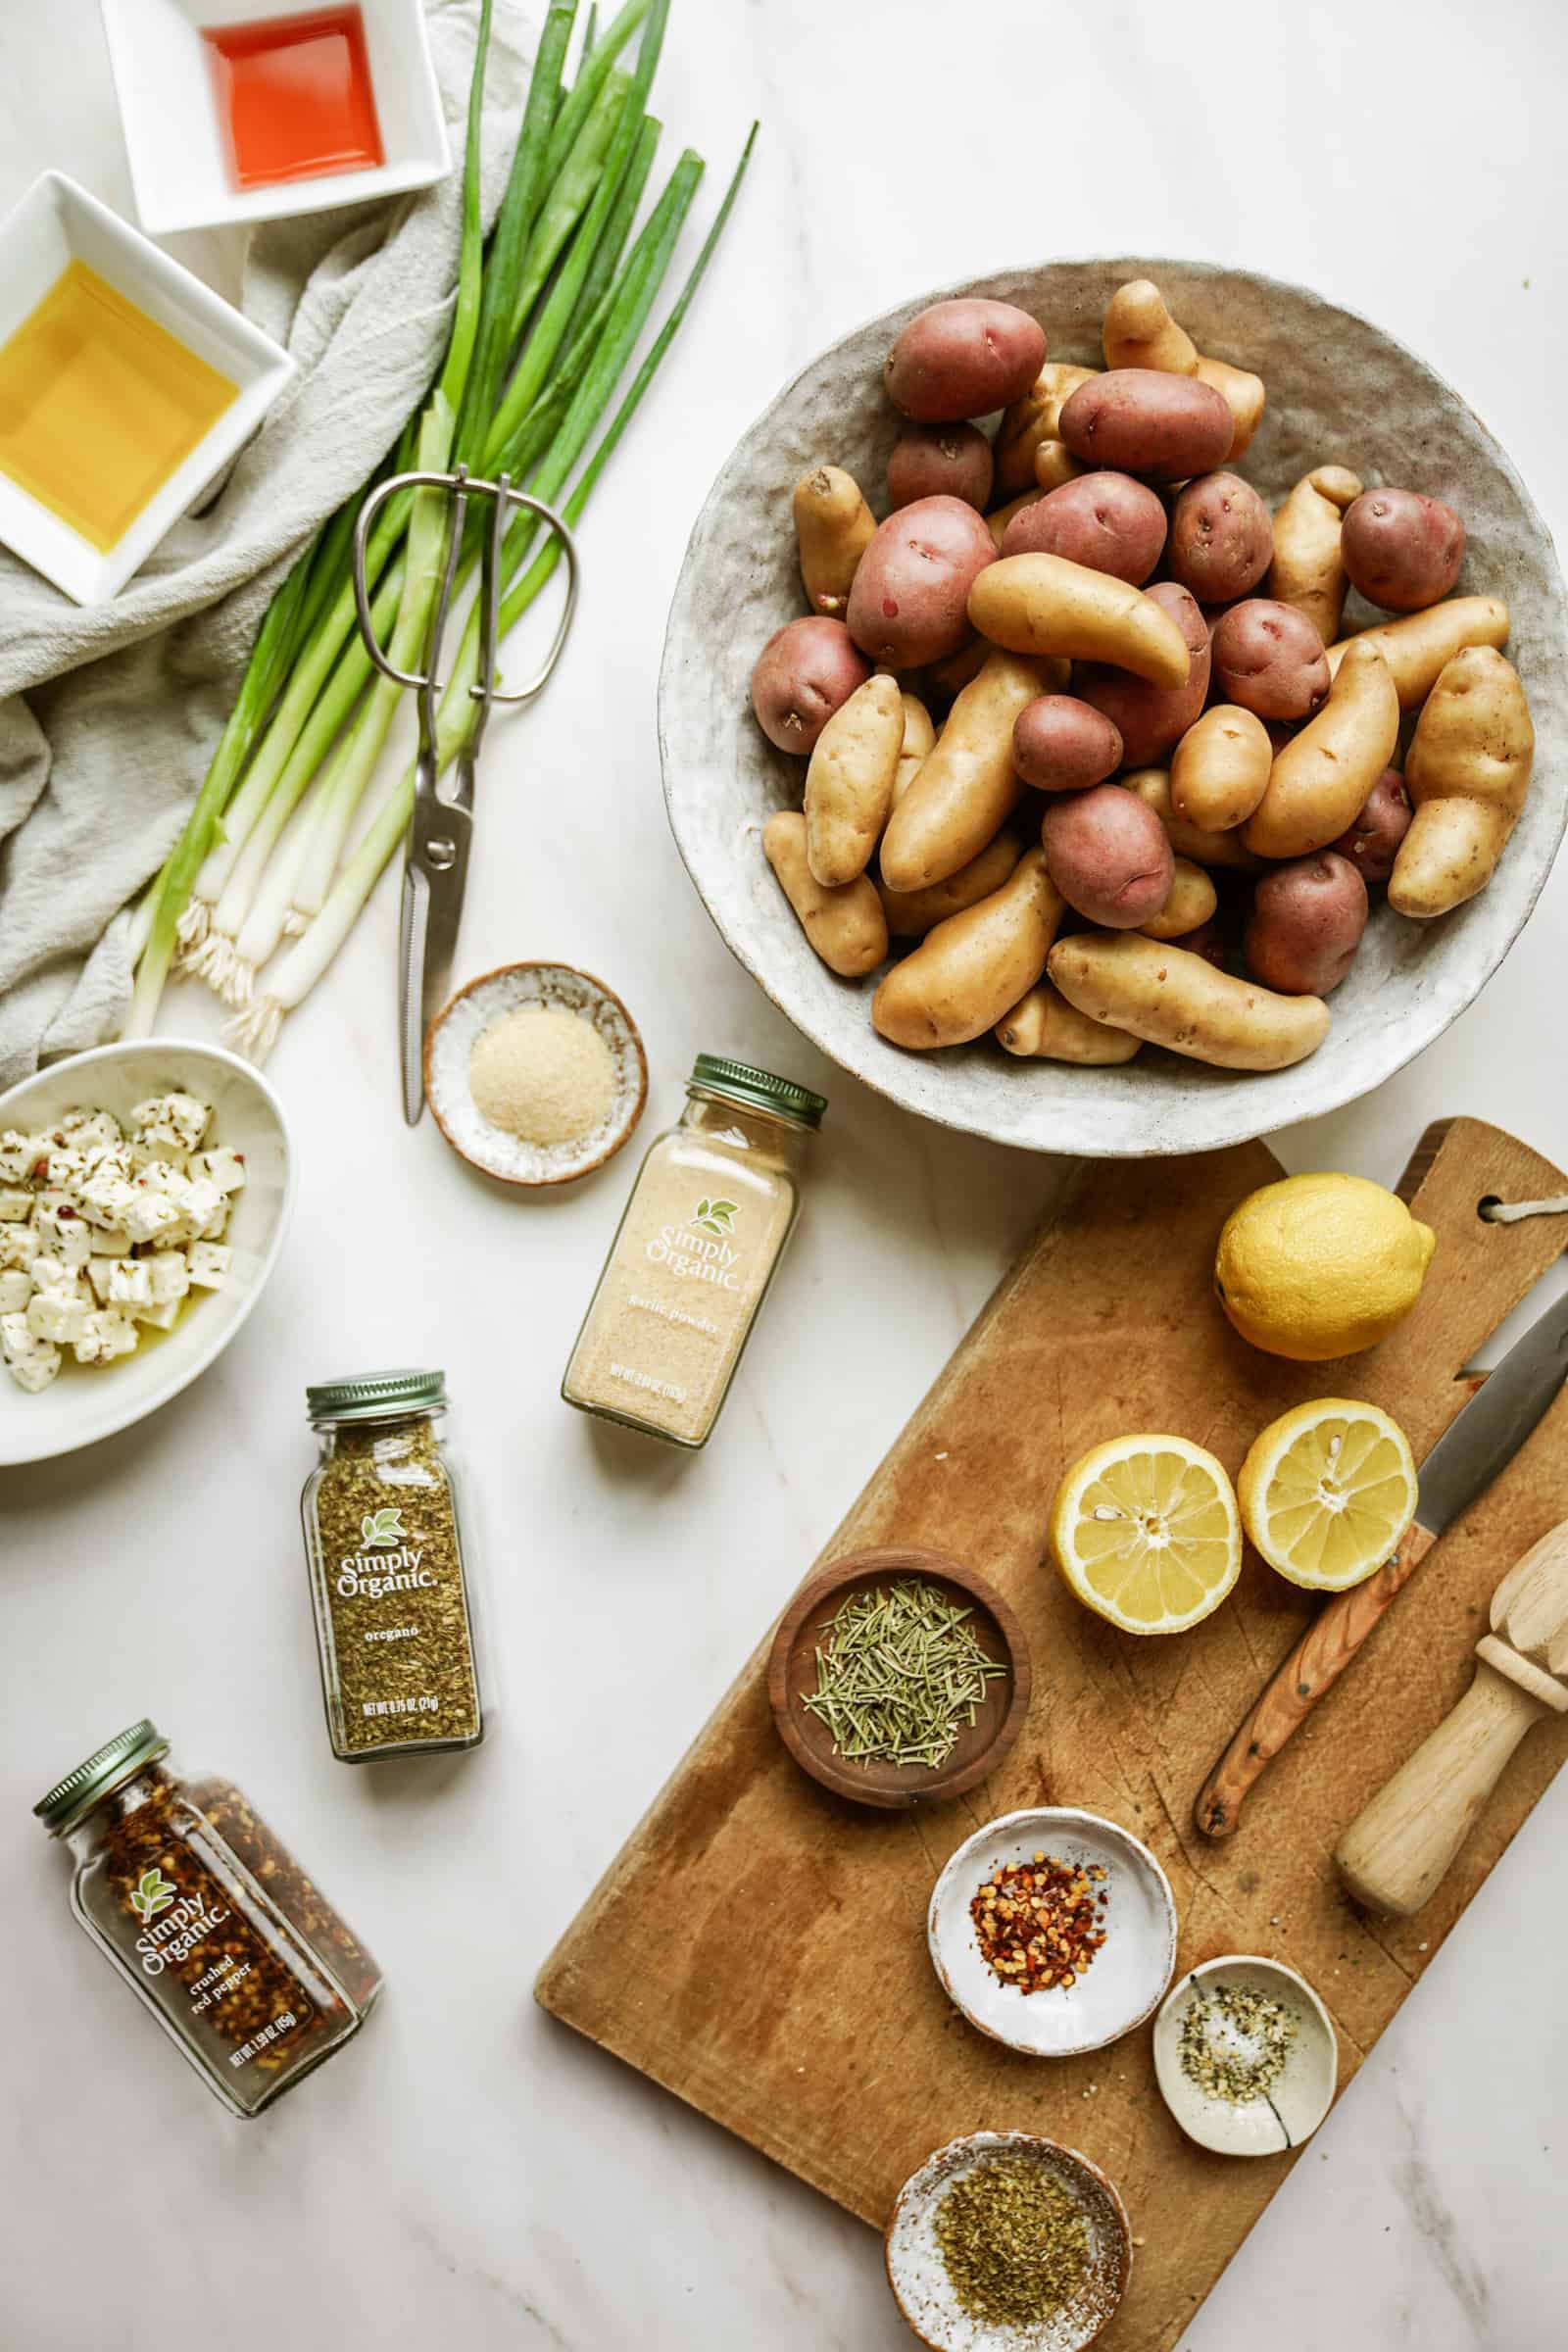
<point x="87" y="1129"/>
<point x="99" y="1272"/>
<point x="208" y="1265"/>
<point x="202" y="1202"/>
<point x="106" y="1190"/>
<point x="53" y="1274"/>
<point x="178" y="1119"/>
<point x="15" y="1206"/>
<point x="148" y="1216"/>
<point x="62" y="1230"/>
<point x="226" y="1170"/>
<point x="19" y="1245"/>
<point x="15" y="1289"/>
<point x="18" y="1154"/>
<point x="170" y="1274"/>
<point x="30" y="1361"/>
<point x="104" y="1336"/>
<point x="216" y="1224"/>
<point x="162" y="1316"/>
<point x="109" y="1243"/>
<point x="65" y="1170"/>
<point x="130" y="1283"/>
<point x="52" y="1316"/>
<point x="156" y="1151"/>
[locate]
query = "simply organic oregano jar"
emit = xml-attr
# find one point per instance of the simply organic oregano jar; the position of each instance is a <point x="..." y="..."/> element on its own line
<point x="715" y="1202"/>
<point x="395" y="1618"/>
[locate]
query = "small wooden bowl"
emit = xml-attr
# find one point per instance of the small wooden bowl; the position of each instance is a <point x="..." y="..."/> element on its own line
<point x="792" y="1673"/>
<point x="918" y="2276"/>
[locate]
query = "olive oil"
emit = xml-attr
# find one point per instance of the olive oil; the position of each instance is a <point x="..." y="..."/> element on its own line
<point x="99" y="405"/>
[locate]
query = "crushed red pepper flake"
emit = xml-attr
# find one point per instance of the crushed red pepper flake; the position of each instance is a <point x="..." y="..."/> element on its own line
<point x="1039" y="1924"/>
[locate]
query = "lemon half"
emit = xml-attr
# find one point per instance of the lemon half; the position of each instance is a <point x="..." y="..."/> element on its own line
<point x="1327" y="1491"/>
<point x="1318" y="1266"/>
<point x="1146" y="1531"/>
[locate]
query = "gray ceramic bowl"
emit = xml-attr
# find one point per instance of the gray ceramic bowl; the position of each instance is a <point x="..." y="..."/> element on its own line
<point x="1339" y="389"/>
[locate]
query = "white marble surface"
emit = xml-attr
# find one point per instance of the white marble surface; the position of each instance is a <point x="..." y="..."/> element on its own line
<point x="468" y="2173"/>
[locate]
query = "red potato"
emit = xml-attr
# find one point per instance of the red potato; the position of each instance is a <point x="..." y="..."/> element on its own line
<point x="940" y="460"/>
<point x="1372" y="843"/>
<point x="1270" y="659"/>
<point x="806" y="672"/>
<point x="1150" y="719"/>
<point x="1108" y="855"/>
<point x="1305" y="925"/>
<point x="963" y="359"/>
<point x="1221" y="538"/>
<point x="910" y="601"/>
<point x="1402" y="550"/>
<point x="1207" y="940"/>
<point x="1139" y="421"/>
<point x="1062" y="745"/>
<point x="1104" y="521"/>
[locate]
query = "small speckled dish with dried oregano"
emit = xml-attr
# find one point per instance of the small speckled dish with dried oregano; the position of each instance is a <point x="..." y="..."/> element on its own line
<point x="921" y="2274"/>
<point x="473" y="1014"/>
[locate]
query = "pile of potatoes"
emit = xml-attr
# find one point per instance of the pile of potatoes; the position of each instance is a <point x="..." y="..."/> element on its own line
<point x="1163" y="785"/>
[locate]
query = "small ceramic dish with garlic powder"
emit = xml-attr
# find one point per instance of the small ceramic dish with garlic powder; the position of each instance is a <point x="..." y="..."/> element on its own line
<point x="535" y="1073"/>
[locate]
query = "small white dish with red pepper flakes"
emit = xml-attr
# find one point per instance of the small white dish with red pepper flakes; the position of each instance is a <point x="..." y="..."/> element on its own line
<point x="144" y="1189"/>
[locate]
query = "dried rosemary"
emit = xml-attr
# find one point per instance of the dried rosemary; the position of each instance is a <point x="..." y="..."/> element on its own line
<point x="1013" y="2242"/>
<point x="899" y="1676"/>
<point x="1234" y="2042"/>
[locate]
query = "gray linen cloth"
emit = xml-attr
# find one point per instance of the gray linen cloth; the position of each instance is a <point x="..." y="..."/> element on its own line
<point x="109" y="715"/>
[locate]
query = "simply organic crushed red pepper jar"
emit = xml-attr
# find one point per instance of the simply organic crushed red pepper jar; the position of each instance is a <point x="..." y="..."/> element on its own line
<point x="210" y="1920"/>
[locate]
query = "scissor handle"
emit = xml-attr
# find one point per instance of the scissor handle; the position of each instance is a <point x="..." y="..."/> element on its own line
<point x="463" y="486"/>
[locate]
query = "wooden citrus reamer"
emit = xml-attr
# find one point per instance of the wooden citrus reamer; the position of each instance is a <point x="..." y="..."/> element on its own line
<point x="1399" y="1847"/>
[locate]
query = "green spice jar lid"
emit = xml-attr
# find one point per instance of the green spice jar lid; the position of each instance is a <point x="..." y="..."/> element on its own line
<point x="375" y="1396"/>
<point x="760" y="1090"/>
<point x="66" y="1802"/>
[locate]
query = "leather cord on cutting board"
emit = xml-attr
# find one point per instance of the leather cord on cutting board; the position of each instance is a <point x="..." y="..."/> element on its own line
<point x="1313" y="1667"/>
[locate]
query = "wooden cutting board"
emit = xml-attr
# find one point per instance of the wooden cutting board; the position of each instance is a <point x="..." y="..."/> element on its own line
<point x="759" y="1946"/>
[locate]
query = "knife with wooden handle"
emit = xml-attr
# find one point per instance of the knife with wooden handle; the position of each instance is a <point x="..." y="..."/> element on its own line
<point x="1485" y="1437"/>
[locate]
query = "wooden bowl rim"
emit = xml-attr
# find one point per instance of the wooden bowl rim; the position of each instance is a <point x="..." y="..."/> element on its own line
<point x="991" y="2142"/>
<point x="884" y="1560"/>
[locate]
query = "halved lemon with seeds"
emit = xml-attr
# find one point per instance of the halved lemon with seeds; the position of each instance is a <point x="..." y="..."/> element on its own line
<point x="1327" y="1492"/>
<point x="1146" y="1531"/>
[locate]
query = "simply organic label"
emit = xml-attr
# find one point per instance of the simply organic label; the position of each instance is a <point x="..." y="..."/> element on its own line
<point x="700" y="1250"/>
<point x="173" y="1923"/>
<point x="374" y="1572"/>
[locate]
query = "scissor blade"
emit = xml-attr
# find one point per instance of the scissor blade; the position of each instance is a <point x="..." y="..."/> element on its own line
<point x="411" y="934"/>
<point x="1496" y="1421"/>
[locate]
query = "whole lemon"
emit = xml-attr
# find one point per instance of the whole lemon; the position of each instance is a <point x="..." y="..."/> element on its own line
<point x="1318" y="1266"/>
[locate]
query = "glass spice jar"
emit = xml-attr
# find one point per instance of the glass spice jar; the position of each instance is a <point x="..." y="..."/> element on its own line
<point x="697" y="1244"/>
<point x="210" y="1920"/>
<point x="395" y="1619"/>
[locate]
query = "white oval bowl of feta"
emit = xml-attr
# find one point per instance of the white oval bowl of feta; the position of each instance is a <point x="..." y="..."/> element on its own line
<point x="145" y="1188"/>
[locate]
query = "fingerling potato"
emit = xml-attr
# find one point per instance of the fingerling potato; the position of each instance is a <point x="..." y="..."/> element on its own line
<point x="846" y="926"/>
<point x="1305" y="925"/>
<point x="848" y="785"/>
<point x="1054" y="463"/>
<point x="1047" y="604"/>
<point x="1467" y="773"/>
<point x="1139" y="331"/>
<point x="1223" y="850"/>
<point x="968" y="971"/>
<point x="963" y="358"/>
<point x="1138" y="420"/>
<point x="940" y="460"/>
<point x="1221" y="538"/>
<point x="906" y="606"/>
<point x="1372" y="842"/>
<point x="1031" y="422"/>
<point x="1062" y="745"/>
<point x="834" y="527"/>
<point x="806" y="672"/>
<point x="1151" y="717"/>
<point x="1318" y="784"/>
<point x="1420" y="646"/>
<point x="1108" y="855"/>
<point x="1188" y="903"/>
<point x="911" y="914"/>
<point x="1308" y="572"/>
<point x="1402" y="550"/>
<point x="967" y="787"/>
<point x="1043" y="1027"/>
<point x="919" y="737"/>
<point x="1174" y="998"/>
<point x="1219" y="769"/>
<point x="1104" y="521"/>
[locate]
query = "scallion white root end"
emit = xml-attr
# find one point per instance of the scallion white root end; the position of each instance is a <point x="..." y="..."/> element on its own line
<point x="255" y="1030"/>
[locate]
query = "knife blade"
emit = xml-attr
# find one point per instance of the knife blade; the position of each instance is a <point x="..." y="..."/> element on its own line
<point x="1481" y="1440"/>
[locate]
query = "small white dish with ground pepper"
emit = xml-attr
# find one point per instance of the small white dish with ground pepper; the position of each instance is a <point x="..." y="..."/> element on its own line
<point x="1054" y="1931"/>
<point x="1245" y="2056"/>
